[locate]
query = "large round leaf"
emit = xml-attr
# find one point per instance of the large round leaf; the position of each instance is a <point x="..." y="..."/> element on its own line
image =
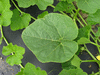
<point x="51" y="38"/>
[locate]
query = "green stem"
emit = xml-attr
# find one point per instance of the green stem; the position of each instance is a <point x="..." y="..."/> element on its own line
<point x="89" y="53"/>
<point x="82" y="19"/>
<point x="21" y="66"/>
<point x="3" y="36"/>
<point x="7" y="42"/>
<point x="52" y="6"/>
<point x="20" y="10"/>
<point x="77" y="11"/>
<point x="17" y="7"/>
<point x="95" y="44"/>
<point x="89" y="61"/>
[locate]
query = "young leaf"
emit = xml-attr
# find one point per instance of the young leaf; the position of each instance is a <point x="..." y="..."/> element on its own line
<point x="43" y="14"/>
<point x="31" y="70"/>
<point x="67" y="65"/>
<point x="17" y="54"/>
<point x="19" y="21"/>
<point x="76" y="61"/>
<point x="84" y="32"/>
<point x="64" y="6"/>
<point x="83" y="40"/>
<point x="51" y="38"/>
<point x="97" y="34"/>
<point x="72" y="64"/>
<point x="89" y="6"/>
<point x="93" y="19"/>
<point x="42" y="4"/>
<point x="73" y="72"/>
<point x="21" y="72"/>
<point x="5" y="13"/>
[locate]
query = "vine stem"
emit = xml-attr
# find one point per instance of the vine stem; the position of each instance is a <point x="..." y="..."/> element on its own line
<point x="20" y="10"/>
<point x="2" y="35"/>
<point x="89" y="61"/>
<point x="89" y="53"/>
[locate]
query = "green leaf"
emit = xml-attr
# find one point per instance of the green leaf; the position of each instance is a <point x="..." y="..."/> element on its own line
<point x="31" y="70"/>
<point x="72" y="72"/>
<point x="76" y="61"/>
<point x="17" y="54"/>
<point x="51" y="38"/>
<point x="93" y="19"/>
<point x="42" y="4"/>
<point x="64" y="6"/>
<point x="89" y="6"/>
<point x="72" y="64"/>
<point x="84" y="32"/>
<point x="67" y="65"/>
<point x="83" y="40"/>
<point x="97" y="34"/>
<point x="21" y="72"/>
<point x="5" y="12"/>
<point x="19" y="21"/>
<point x="43" y="14"/>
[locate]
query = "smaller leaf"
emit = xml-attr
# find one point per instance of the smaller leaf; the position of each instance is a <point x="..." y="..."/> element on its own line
<point x="21" y="72"/>
<point x="16" y="57"/>
<point x="19" y="21"/>
<point x="83" y="40"/>
<point x="72" y="72"/>
<point x="67" y="65"/>
<point x="43" y="14"/>
<point x="89" y="6"/>
<point x="5" y="13"/>
<point x="97" y="34"/>
<point x="64" y="6"/>
<point x="84" y="32"/>
<point x="93" y="19"/>
<point x="76" y="61"/>
<point x="30" y="69"/>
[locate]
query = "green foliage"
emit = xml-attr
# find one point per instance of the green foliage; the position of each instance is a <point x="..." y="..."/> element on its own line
<point x="21" y="22"/>
<point x="93" y="19"/>
<point x="31" y="70"/>
<point x="16" y="56"/>
<point x="5" y="13"/>
<point x="64" y="6"/>
<point x="76" y="61"/>
<point x="48" y="42"/>
<point x="97" y="34"/>
<point x="43" y="14"/>
<point x="52" y="37"/>
<point x="89" y="6"/>
<point x="67" y="65"/>
<point x="42" y="4"/>
<point x="84" y="32"/>
<point x="73" y="72"/>
<point x="83" y="40"/>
